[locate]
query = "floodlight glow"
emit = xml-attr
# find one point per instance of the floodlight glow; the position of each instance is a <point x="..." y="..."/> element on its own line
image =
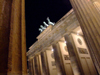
<point x="65" y="41"/>
<point x="52" y="49"/>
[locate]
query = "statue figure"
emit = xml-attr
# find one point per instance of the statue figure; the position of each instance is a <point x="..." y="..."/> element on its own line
<point x="49" y="22"/>
<point x="42" y="27"/>
<point x="40" y="30"/>
<point x="45" y="23"/>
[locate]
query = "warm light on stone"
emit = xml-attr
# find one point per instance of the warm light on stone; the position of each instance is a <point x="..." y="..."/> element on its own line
<point x="71" y="47"/>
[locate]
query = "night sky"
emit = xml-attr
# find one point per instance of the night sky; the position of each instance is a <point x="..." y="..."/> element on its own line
<point x="38" y="10"/>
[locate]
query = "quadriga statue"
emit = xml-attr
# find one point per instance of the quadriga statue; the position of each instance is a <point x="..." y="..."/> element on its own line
<point x="45" y="23"/>
<point x="49" y="22"/>
<point x="42" y="28"/>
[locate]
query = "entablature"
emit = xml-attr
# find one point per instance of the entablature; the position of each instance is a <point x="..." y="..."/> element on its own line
<point x="54" y="33"/>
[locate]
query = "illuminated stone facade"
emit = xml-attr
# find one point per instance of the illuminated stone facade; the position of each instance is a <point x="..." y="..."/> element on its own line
<point x="71" y="46"/>
<point x="12" y="38"/>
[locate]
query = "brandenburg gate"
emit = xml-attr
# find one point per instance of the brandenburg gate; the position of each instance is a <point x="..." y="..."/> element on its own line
<point x="71" y="46"/>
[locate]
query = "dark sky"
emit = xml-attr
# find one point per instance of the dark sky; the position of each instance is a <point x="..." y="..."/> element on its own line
<point x="38" y="10"/>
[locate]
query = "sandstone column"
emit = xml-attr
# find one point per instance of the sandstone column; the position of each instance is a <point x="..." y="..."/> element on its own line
<point x="15" y="56"/>
<point x="89" y="19"/>
<point x="96" y="3"/>
<point x="33" y="67"/>
<point x="29" y="66"/>
<point x="76" y="67"/>
<point x="12" y="37"/>
<point x="5" y="12"/>
<point x="17" y="44"/>
<point x="40" y="64"/>
<point x="58" y="59"/>
<point x="37" y="65"/>
<point x="23" y="39"/>
<point x="44" y="63"/>
<point x="30" y="63"/>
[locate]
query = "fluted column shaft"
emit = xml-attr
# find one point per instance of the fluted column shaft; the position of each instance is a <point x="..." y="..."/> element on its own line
<point x="89" y="19"/>
<point x="15" y="56"/>
<point x="33" y="67"/>
<point x="37" y="65"/>
<point x="12" y="37"/>
<point x="23" y="39"/>
<point x="76" y="67"/>
<point x="30" y="64"/>
<point x="44" y="63"/>
<point x="40" y="64"/>
<point x="59" y="63"/>
<point x="96" y="3"/>
<point x="5" y="12"/>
